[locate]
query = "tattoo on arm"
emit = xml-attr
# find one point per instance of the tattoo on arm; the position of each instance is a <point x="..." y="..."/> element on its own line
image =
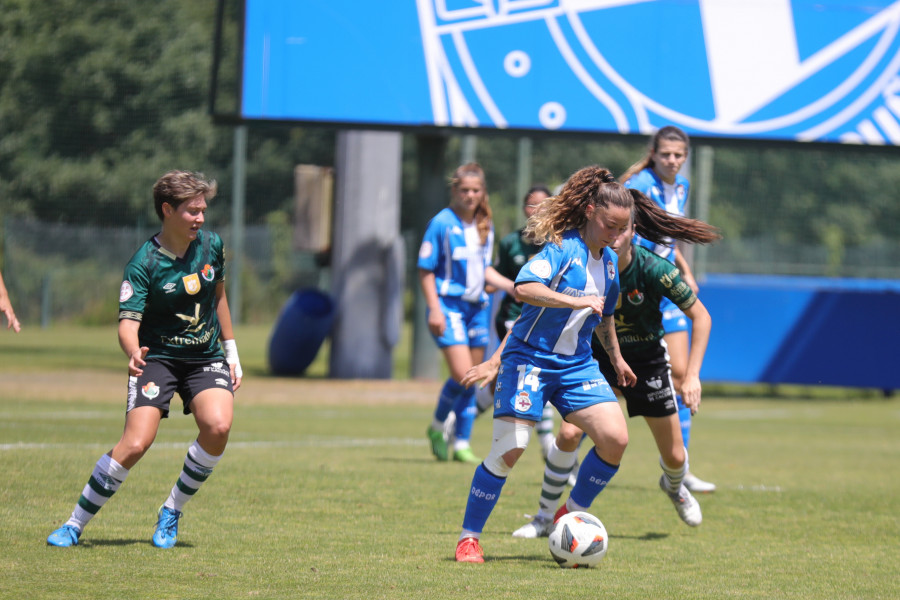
<point x="605" y="335"/>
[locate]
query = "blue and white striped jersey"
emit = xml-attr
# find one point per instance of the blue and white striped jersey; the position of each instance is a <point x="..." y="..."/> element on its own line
<point x="567" y="269"/>
<point x="670" y="197"/>
<point x="453" y="251"/>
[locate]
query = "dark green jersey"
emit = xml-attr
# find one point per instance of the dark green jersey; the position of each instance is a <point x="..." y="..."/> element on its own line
<point x="175" y="298"/>
<point x="643" y="284"/>
<point x="514" y="252"/>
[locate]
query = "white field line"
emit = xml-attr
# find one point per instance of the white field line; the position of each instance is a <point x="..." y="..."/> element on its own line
<point x="307" y="442"/>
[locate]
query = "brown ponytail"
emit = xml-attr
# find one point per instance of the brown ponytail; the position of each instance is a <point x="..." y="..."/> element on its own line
<point x="655" y="224"/>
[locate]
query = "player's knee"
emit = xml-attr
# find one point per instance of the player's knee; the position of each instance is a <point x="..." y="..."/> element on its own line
<point x="510" y="440"/>
<point x="219" y="429"/>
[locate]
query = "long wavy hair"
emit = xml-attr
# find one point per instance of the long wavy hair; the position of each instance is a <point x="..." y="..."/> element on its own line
<point x="590" y="186"/>
<point x="669" y="133"/>
<point x="659" y="226"/>
<point x="483" y="214"/>
<point x="596" y="186"/>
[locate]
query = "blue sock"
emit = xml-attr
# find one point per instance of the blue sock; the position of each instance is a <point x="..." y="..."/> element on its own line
<point x="593" y="475"/>
<point x="466" y="411"/>
<point x="684" y="417"/>
<point x="449" y="393"/>
<point x="483" y="497"/>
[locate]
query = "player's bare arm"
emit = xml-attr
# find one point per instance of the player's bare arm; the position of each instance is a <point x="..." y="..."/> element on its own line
<point x="606" y="333"/>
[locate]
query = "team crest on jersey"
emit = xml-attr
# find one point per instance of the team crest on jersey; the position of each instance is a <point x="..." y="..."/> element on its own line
<point x="541" y="268"/>
<point x="635" y="297"/>
<point x="126" y="291"/>
<point x="191" y="283"/>
<point x="655" y="383"/>
<point x="523" y="402"/>
<point x="151" y="390"/>
<point x="610" y="270"/>
<point x="208" y="272"/>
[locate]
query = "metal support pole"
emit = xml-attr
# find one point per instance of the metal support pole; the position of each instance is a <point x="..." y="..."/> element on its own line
<point x="432" y="197"/>
<point x="705" y="159"/>
<point x="238" y="201"/>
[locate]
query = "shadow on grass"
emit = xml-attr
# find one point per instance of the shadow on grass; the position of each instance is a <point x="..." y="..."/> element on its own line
<point x="128" y="542"/>
<point x="650" y="536"/>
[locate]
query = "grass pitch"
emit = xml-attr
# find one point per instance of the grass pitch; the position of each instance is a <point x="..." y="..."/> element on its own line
<point x="328" y="490"/>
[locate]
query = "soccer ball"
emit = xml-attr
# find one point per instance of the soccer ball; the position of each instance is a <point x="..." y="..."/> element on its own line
<point x="578" y="539"/>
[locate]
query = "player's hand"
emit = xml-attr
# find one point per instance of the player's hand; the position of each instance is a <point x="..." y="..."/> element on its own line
<point x="483" y="374"/>
<point x="11" y="321"/>
<point x="690" y="393"/>
<point x="625" y="377"/>
<point x="234" y="363"/>
<point x="136" y="361"/>
<point x="595" y="303"/>
<point x="436" y="322"/>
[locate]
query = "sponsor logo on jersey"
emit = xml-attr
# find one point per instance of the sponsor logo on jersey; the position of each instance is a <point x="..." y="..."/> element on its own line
<point x="169" y="287"/>
<point x="668" y="279"/>
<point x="425" y="250"/>
<point x="193" y="321"/>
<point x="222" y="382"/>
<point x="151" y="390"/>
<point x="610" y="270"/>
<point x="541" y="268"/>
<point x="523" y="402"/>
<point x="191" y="283"/>
<point x="126" y="291"/>
<point x="635" y="297"/>
<point x="208" y="273"/>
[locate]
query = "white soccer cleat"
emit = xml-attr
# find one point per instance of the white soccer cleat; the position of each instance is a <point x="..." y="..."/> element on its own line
<point x="687" y="506"/>
<point x="697" y="485"/>
<point x="538" y="527"/>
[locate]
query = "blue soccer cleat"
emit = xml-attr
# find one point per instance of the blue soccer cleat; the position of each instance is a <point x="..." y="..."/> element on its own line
<point x="65" y="536"/>
<point x="166" y="528"/>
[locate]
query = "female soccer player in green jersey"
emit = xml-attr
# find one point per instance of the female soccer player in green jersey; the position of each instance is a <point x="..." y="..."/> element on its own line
<point x="175" y="328"/>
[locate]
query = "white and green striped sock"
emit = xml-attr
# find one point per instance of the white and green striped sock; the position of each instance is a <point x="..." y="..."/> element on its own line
<point x="105" y="480"/>
<point x="198" y="465"/>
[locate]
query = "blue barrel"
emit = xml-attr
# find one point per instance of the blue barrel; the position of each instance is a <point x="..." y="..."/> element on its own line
<point x="304" y="322"/>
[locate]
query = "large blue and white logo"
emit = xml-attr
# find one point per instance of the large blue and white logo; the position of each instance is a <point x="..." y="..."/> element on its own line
<point x="824" y="70"/>
<point x="778" y="69"/>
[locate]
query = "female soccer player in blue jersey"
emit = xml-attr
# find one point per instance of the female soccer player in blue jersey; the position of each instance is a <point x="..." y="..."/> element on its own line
<point x="644" y="278"/>
<point x="570" y="290"/>
<point x="454" y="265"/>
<point x="658" y="176"/>
<point x="175" y="328"/>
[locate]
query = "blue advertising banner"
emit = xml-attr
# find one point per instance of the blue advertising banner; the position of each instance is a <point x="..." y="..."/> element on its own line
<point x="796" y="70"/>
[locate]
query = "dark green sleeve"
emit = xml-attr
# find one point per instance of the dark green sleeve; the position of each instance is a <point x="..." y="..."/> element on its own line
<point x="667" y="279"/>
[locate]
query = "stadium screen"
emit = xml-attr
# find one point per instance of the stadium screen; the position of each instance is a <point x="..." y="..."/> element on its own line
<point x="755" y="69"/>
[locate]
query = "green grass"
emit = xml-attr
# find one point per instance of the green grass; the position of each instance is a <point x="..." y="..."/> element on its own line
<point x="328" y="490"/>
